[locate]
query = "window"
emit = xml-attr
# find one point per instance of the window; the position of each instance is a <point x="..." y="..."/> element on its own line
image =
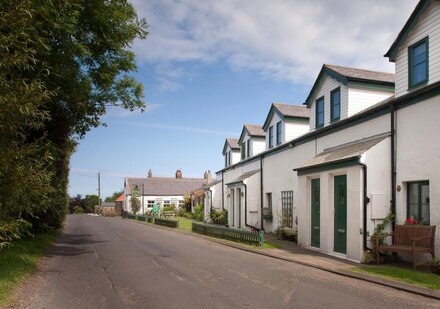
<point x="319" y="112"/>
<point x="229" y="158"/>
<point x="248" y="147"/>
<point x="175" y="202"/>
<point x="243" y="151"/>
<point x="287" y="208"/>
<point x="181" y="203"/>
<point x="418" y="201"/>
<point x="418" y="63"/>
<point x="226" y="159"/>
<point x="279" y="141"/>
<point x="267" y="211"/>
<point x="150" y="204"/>
<point x="335" y="104"/>
<point x="271" y="137"/>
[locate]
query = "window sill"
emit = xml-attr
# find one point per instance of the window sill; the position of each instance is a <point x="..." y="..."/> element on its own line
<point x="417" y="86"/>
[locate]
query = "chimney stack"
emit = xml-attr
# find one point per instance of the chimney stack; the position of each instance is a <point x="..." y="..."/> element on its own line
<point x="150" y="173"/>
<point x="179" y="173"/>
<point x="207" y="176"/>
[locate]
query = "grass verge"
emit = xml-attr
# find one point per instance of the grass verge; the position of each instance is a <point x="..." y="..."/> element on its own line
<point x="185" y="224"/>
<point x="19" y="260"/>
<point x="427" y="280"/>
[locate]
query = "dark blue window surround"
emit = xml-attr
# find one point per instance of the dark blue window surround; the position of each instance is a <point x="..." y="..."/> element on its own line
<point x="279" y="136"/>
<point x="271" y="137"/>
<point x="319" y="112"/>
<point x="418" y="63"/>
<point x="335" y="104"/>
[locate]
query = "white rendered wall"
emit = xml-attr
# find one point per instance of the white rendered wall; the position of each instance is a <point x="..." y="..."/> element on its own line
<point x="295" y="128"/>
<point x="428" y="25"/>
<point x="362" y="98"/>
<point x="418" y="156"/>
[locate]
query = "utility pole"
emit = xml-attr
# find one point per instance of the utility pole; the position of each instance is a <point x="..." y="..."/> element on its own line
<point x="99" y="188"/>
<point x="142" y="197"/>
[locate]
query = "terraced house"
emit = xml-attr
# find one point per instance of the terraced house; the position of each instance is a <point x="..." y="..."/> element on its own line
<point x="364" y="144"/>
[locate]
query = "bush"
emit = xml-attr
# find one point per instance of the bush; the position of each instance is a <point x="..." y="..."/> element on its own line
<point x="169" y="208"/>
<point x="182" y="212"/>
<point x="78" y="210"/>
<point x="198" y="212"/>
<point x="219" y="217"/>
<point x="190" y="215"/>
<point x="13" y="230"/>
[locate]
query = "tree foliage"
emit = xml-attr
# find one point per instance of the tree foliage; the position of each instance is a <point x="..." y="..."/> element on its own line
<point x="62" y="63"/>
<point x="114" y="196"/>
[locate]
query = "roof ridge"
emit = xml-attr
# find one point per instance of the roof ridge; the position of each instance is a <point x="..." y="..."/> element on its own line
<point x="359" y="69"/>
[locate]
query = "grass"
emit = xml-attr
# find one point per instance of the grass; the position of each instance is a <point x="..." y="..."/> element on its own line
<point x="185" y="223"/>
<point x="269" y="245"/>
<point x="427" y="280"/>
<point x="19" y="260"/>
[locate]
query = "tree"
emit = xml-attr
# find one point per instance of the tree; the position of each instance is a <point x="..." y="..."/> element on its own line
<point x="114" y="196"/>
<point x="135" y="205"/>
<point x="90" y="202"/>
<point x="62" y="63"/>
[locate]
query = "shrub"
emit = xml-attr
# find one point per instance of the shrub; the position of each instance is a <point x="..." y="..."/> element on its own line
<point x="219" y="217"/>
<point x="198" y="212"/>
<point x="135" y="205"/>
<point x="190" y="215"/>
<point x="182" y="212"/>
<point x="169" y="208"/>
<point x="78" y="210"/>
<point x="13" y="230"/>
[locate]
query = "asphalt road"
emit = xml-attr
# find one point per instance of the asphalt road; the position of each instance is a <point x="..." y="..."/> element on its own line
<point x="113" y="263"/>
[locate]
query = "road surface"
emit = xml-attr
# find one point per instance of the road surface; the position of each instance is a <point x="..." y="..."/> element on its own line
<point x="112" y="263"/>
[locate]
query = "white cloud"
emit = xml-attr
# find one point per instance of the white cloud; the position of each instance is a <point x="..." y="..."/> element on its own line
<point x="285" y="40"/>
<point x="179" y="128"/>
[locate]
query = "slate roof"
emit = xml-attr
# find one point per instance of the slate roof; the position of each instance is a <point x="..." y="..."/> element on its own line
<point x="345" y="74"/>
<point x="255" y="130"/>
<point x="290" y="110"/>
<point x="343" y="152"/>
<point x="243" y="177"/>
<point x="233" y="142"/>
<point x="165" y="185"/>
<point x="211" y="184"/>
<point x="361" y="74"/>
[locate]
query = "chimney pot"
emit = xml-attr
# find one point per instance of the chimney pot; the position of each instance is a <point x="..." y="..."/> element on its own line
<point x="179" y="173"/>
<point x="150" y="173"/>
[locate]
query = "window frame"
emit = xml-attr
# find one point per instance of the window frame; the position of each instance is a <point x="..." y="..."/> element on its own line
<point x="279" y="133"/>
<point x="318" y="101"/>
<point x="411" y="48"/>
<point x="332" y="103"/>
<point x="243" y="151"/>
<point x="271" y="137"/>
<point x="419" y="197"/>
<point x="248" y="148"/>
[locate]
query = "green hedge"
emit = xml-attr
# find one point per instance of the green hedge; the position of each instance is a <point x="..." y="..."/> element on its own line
<point x="166" y="222"/>
<point x="255" y="238"/>
<point x="150" y="219"/>
<point x="131" y="216"/>
<point x="141" y="218"/>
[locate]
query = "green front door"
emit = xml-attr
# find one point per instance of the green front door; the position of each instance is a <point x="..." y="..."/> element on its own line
<point x="315" y="212"/>
<point x="341" y="214"/>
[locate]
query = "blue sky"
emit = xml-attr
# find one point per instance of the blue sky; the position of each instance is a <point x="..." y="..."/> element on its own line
<point x="208" y="67"/>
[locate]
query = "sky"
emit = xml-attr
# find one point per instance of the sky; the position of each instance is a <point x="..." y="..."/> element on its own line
<point x="208" y="67"/>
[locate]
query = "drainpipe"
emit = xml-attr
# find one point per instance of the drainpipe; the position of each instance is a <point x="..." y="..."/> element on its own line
<point x="366" y="200"/>
<point x="245" y="209"/>
<point x="261" y="192"/>
<point x="223" y="190"/>
<point x="393" y="165"/>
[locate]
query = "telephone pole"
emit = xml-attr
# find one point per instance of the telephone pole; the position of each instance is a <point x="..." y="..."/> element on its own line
<point x="99" y="188"/>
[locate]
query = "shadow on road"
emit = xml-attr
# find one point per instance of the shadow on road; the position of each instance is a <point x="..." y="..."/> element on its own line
<point x="73" y="245"/>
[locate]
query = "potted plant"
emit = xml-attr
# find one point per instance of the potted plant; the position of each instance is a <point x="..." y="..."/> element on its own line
<point x="435" y="267"/>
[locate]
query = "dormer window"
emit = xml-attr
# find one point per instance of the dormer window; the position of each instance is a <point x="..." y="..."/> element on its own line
<point x="279" y="136"/>
<point x="418" y="63"/>
<point x="270" y="137"/>
<point x="320" y="112"/>
<point x="335" y="104"/>
<point x="248" y="143"/>
<point x="243" y="151"/>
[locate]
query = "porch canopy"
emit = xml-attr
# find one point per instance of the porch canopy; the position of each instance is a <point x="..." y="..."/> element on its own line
<point x="340" y="156"/>
<point x="239" y="180"/>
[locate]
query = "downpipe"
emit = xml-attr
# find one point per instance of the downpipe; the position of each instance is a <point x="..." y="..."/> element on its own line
<point x="366" y="200"/>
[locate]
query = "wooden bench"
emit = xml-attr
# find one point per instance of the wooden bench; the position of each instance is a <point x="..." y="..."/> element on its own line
<point x="413" y="239"/>
<point x="168" y="214"/>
